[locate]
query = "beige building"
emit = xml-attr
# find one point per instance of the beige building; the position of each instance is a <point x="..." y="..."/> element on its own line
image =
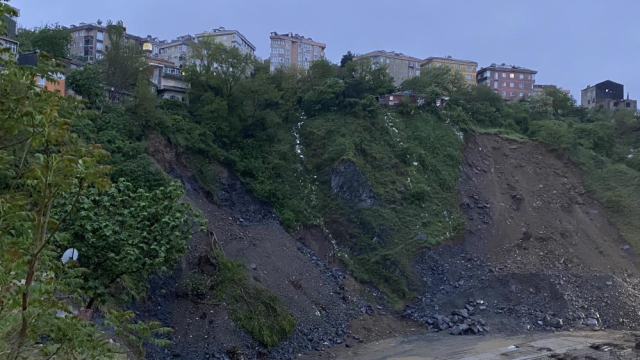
<point x="401" y="67"/>
<point x="293" y="49"/>
<point x="89" y="41"/>
<point x="230" y="38"/>
<point x="177" y="51"/>
<point x="468" y="68"/>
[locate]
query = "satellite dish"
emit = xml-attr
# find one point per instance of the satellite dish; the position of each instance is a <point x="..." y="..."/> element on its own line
<point x="69" y="254"/>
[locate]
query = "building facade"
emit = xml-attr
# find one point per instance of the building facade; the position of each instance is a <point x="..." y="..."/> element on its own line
<point x="400" y="66"/>
<point x="167" y="79"/>
<point x="607" y="94"/>
<point x="8" y="40"/>
<point x="468" y="68"/>
<point x="509" y="81"/>
<point x="89" y="41"/>
<point x="178" y="50"/>
<point x="230" y="38"/>
<point x="294" y="49"/>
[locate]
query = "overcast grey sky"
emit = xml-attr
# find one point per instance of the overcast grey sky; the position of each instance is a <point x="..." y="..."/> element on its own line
<point x="571" y="43"/>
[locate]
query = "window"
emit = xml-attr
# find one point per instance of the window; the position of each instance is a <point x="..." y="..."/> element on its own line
<point x="488" y="74"/>
<point x="40" y="81"/>
<point x="468" y="76"/>
<point x="458" y="66"/>
<point x="100" y="35"/>
<point x="521" y="94"/>
<point x="512" y="85"/>
<point x="495" y="76"/>
<point x="521" y="85"/>
<point x="521" y="76"/>
<point x="589" y="102"/>
<point x="469" y="68"/>
<point x="628" y="104"/>
<point x="511" y="94"/>
<point x="504" y="83"/>
<point x="504" y="75"/>
<point x="417" y="72"/>
<point x="512" y="75"/>
<point x="99" y="46"/>
<point x="504" y="93"/>
<point x="495" y="84"/>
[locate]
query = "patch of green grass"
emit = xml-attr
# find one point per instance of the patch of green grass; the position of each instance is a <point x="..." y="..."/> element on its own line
<point x="252" y="306"/>
<point x="617" y="187"/>
<point x="503" y="133"/>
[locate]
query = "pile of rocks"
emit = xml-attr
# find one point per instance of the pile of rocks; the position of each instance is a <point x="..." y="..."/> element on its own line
<point x="461" y="321"/>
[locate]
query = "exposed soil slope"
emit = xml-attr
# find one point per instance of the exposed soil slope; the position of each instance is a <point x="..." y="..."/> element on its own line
<point x="248" y="230"/>
<point x="538" y="251"/>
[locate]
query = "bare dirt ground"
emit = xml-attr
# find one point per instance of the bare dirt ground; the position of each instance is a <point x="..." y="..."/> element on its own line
<point x="538" y="252"/>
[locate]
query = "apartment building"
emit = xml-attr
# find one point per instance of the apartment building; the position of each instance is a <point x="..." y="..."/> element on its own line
<point x="230" y="38"/>
<point x="294" y="49"/>
<point x="510" y="81"/>
<point x="8" y="40"/>
<point x="178" y="50"/>
<point x="466" y="67"/>
<point x="167" y="79"/>
<point x="400" y="66"/>
<point x="90" y="40"/>
<point x="607" y="94"/>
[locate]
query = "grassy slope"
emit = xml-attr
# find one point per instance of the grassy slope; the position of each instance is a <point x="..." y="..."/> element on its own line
<point x="617" y="187"/>
<point x="412" y="165"/>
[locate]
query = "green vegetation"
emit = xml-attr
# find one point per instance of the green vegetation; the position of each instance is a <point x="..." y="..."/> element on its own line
<point x="251" y="306"/>
<point x="54" y="40"/>
<point x="55" y="192"/>
<point x="254" y="308"/>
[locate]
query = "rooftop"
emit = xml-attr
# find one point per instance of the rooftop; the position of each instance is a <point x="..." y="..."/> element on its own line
<point x="222" y="31"/>
<point x="602" y="82"/>
<point x="449" y="58"/>
<point x="505" y="67"/>
<point x="392" y="54"/>
<point x="297" y="37"/>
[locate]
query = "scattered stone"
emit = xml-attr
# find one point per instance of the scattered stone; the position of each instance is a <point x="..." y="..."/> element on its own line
<point x="254" y="266"/>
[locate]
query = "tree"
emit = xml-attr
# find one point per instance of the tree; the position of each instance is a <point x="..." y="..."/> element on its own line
<point x="219" y="66"/>
<point x="127" y="233"/>
<point x="436" y="82"/>
<point x="42" y="161"/>
<point x="346" y="58"/>
<point x="54" y="40"/>
<point x="87" y="82"/>
<point x="361" y="78"/>
<point x="562" y="103"/>
<point x="123" y="62"/>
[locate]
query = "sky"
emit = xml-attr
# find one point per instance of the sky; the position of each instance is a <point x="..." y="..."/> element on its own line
<point x="571" y="43"/>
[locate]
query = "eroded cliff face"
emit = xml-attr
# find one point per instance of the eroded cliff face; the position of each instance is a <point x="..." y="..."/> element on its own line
<point x="538" y="251"/>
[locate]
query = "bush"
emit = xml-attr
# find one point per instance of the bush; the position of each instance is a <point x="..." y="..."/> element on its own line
<point x="555" y="133"/>
<point x="197" y="285"/>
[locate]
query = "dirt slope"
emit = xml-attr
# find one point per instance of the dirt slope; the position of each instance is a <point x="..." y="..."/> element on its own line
<point x="538" y="251"/>
<point x="249" y="231"/>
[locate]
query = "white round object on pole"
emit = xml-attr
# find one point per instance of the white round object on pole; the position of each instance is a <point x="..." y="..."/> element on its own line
<point x="69" y="254"/>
